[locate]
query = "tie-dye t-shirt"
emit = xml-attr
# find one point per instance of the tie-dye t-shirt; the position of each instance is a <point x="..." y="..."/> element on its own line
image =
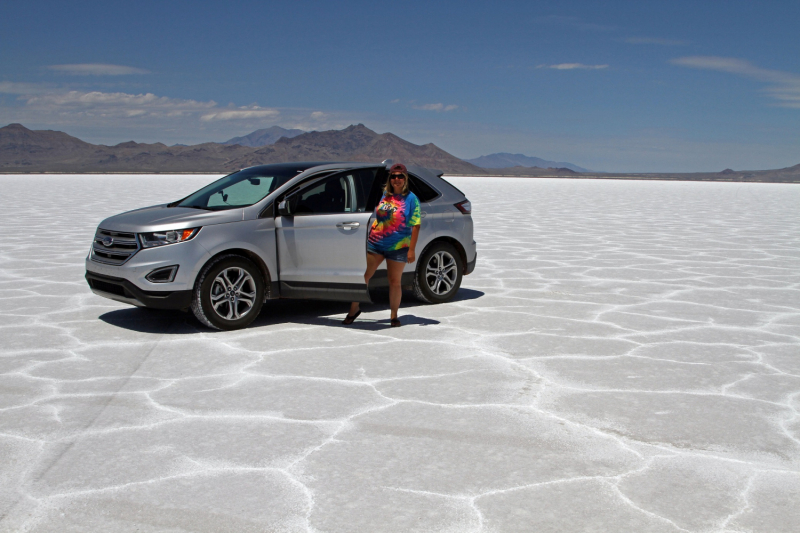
<point x="394" y="217"/>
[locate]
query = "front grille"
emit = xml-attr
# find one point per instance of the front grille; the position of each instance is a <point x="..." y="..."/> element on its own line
<point x="114" y="247"/>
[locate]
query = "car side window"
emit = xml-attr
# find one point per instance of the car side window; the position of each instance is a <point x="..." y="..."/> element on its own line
<point x="344" y="192"/>
<point x="417" y="185"/>
<point x="422" y="190"/>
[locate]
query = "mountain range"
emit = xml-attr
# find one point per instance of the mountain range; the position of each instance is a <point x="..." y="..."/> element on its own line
<point x="506" y="160"/>
<point x="267" y="136"/>
<point x="264" y="137"/>
<point x="23" y="151"/>
<point x="502" y="160"/>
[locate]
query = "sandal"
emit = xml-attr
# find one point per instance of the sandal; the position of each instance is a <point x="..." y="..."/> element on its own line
<point x="396" y="323"/>
<point x="349" y="319"/>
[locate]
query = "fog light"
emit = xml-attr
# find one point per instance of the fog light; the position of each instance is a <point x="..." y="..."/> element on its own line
<point x="162" y="275"/>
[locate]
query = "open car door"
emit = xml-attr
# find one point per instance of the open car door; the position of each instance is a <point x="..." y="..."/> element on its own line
<point x="321" y="233"/>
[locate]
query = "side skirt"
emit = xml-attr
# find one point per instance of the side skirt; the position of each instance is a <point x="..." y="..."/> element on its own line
<point x="342" y="292"/>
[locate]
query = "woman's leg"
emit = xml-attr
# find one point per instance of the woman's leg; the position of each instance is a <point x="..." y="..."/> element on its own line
<point x="373" y="262"/>
<point x="395" y="271"/>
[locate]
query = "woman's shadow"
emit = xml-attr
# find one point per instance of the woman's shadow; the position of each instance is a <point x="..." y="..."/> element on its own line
<point x="314" y="312"/>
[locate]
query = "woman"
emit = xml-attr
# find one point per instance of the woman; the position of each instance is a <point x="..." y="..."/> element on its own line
<point x="393" y="236"/>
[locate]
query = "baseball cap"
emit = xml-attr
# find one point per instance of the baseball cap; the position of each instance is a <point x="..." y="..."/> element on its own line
<point x="398" y="167"/>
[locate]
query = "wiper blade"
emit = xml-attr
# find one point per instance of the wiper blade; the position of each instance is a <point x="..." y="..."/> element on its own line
<point x="196" y="207"/>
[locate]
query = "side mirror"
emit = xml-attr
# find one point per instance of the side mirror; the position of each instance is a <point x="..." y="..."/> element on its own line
<point x="283" y="208"/>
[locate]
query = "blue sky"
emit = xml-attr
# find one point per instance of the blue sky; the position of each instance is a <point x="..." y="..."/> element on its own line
<point x="615" y="85"/>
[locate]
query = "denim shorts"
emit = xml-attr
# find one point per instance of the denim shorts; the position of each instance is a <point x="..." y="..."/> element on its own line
<point x="401" y="255"/>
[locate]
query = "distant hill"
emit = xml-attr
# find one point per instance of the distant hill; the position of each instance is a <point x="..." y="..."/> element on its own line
<point x="264" y="137"/>
<point x="357" y="143"/>
<point x="781" y="175"/>
<point x="25" y="150"/>
<point x="21" y="147"/>
<point x="533" y="172"/>
<point x="506" y="160"/>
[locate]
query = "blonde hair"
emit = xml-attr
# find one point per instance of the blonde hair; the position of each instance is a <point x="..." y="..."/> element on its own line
<point x="388" y="187"/>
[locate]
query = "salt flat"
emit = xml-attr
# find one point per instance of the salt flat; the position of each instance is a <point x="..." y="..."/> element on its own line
<point x="626" y="357"/>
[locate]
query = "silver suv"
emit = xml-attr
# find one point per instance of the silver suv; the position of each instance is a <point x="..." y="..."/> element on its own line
<point x="295" y="230"/>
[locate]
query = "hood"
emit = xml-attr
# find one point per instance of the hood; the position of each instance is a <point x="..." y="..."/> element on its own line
<point x="161" y="218"/>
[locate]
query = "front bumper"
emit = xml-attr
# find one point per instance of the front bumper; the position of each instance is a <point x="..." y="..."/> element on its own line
<point x="122" y="290"/>
<point x="128" y="282"/>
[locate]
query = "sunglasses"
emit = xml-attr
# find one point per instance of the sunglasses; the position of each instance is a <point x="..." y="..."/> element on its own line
<point x="398" y="177"/>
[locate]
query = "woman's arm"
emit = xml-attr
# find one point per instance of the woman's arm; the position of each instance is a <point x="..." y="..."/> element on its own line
<point x="411" y="248"/>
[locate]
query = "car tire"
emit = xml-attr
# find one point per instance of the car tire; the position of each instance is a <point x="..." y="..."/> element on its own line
<point x="228" y="293"/>
<point x="438" y="275"/>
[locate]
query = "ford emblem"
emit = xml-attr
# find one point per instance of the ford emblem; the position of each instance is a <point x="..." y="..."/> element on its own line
<point x="107" y="241"/>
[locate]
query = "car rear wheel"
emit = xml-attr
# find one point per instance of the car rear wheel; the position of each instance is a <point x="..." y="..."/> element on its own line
<point x="228" y="293"/>
<point x="439" y="273"/>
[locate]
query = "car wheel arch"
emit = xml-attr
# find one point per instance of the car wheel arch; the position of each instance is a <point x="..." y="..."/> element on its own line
<point x="254" y="257"/>
<point x="449" y="240"/>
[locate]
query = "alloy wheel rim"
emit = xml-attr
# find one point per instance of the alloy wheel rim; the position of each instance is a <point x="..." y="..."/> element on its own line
<point x="233" y="293"/>
<point x="441" y="273"/>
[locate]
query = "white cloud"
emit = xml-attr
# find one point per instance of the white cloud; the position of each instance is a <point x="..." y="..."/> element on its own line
<point x="436" y="107"/>
<point x="111" y="117"/>
<point x="731" y="65"/>
<point x="101" y="99"/>
<point x="47" y="105"/>
<point x="783" y="86"/>
<point x="655" y="40"/>
<point x="241" y="113"/>
<point x="573" y="66"/>
<point x="10" y="87"/>
<point x="110" y="105"/>
<point x="97" y="69"/>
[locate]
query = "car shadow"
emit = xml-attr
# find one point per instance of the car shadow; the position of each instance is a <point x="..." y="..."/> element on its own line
<point x="153" y="321"/>
<point x="313" y="312"/>
<point x="366" y="324"/>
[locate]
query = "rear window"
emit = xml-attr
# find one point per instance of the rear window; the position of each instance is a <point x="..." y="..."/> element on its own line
<point x="424" y="192"/>
<point x="453" y="186"/>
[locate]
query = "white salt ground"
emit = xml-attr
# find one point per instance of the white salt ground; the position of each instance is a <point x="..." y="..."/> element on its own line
<point x="626" y="357"/>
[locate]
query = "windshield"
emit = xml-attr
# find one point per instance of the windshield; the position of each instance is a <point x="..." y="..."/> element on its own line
<point x="239" y="189"/>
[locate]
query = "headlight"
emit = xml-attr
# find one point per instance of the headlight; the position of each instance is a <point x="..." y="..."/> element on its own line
<point x="160" y="238"/>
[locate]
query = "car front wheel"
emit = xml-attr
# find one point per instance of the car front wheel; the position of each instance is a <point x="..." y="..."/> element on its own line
<point x="229" y="293"/>
<point x="439" y="273"/>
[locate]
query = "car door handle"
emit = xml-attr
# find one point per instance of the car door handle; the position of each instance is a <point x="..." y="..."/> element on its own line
<point x="348" y="225"/>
